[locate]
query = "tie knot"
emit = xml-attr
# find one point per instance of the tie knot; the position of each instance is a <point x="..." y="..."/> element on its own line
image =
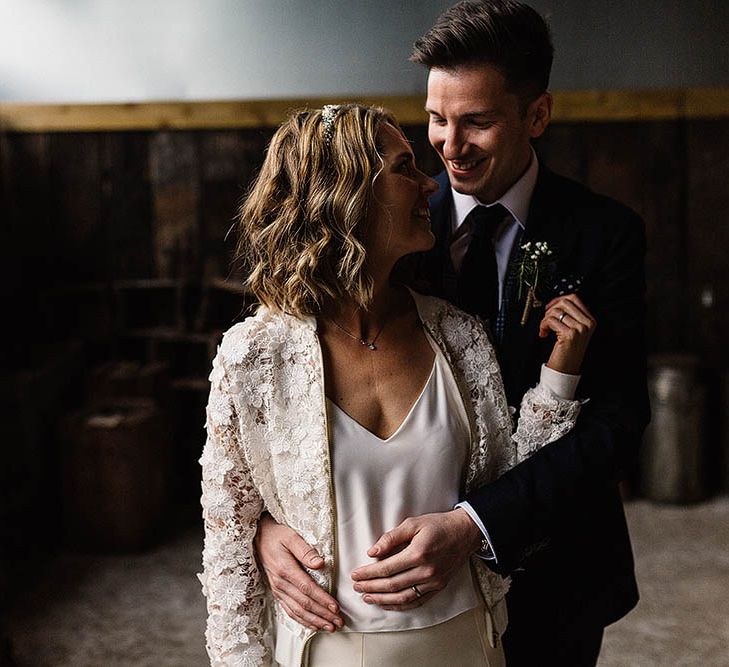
<point x="485" y="219"/>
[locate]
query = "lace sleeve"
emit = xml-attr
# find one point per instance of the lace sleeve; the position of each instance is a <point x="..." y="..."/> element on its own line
<point x="231" y="581"/>
<point x="543" y="418"/>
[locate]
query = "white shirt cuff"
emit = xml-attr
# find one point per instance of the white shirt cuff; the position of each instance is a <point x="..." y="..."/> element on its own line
<point x="561" y="384"/>
<point x="489" y="554"/>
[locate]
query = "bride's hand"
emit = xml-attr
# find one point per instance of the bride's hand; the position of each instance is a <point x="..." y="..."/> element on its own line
<point x="573" y="326"/>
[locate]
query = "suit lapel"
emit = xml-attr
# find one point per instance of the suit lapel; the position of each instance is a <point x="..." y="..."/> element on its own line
<point x="521" y="348"/>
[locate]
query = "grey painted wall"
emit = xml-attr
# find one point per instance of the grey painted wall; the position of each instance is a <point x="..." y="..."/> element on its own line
<point x="134" y="50"/>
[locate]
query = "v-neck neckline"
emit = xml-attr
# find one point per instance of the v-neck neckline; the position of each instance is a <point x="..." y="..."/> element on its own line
<point x="407" y="417"/>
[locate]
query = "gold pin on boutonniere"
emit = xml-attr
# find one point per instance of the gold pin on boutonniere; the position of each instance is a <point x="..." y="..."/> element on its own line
<point x="534" y="262"/>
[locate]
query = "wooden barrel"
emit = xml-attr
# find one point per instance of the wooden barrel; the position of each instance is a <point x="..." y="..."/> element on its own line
<point x="115" y="461"/>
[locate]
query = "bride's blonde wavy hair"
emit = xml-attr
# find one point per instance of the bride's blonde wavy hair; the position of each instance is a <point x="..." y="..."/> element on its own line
<point x="304" y="219"/>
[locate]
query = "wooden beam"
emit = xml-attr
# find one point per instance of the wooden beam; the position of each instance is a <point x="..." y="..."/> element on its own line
<point x="618" y="105"/>
<point x="569" y="106"/>
<point x="707" y="102"/>
<point x="179" y="115"/>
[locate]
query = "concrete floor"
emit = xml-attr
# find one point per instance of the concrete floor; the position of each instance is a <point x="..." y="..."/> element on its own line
<point x="682" y="563"/>
<point x="146" y="610"/>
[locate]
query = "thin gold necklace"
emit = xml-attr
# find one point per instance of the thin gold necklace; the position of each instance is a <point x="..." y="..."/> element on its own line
<point x="369" y="344"/>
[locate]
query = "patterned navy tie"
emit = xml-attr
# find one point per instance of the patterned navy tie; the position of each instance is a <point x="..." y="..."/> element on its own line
<point x="478" y="281"/>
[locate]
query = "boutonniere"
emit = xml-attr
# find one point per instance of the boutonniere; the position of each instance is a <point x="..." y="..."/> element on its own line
<point x="534" y="264"/>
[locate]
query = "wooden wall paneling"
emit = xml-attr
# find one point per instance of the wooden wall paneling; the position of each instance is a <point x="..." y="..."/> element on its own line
<point x="222" y="303"/>
<point x="228" y="159"/>
<point x="253" y="146"/>
<point x="26" y="186"/>
<point x="707" y="235"/>
<point x="562" y="149"/>
<point x="641" y="165"/>
<point x="145" y="307"/>
<point x="80" y="237"/>
<point x="708" y="240"/>
<point x="27" y="236"/>
<point x="175" y="190"/>
<point x="425" y="156"/>
<point x="10" y="261"/>
<point x="220" y="203"/>
<point x="79" y="311"/>
<point x="127" y="204"/>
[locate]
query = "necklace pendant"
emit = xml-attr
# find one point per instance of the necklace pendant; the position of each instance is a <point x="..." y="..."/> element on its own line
<point x="369" y="344"/>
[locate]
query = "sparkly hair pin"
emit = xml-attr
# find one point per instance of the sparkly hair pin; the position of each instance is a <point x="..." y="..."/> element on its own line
<point x="328" y="112"/>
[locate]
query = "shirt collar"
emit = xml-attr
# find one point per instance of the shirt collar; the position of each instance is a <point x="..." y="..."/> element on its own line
<point x="515" y="200"/>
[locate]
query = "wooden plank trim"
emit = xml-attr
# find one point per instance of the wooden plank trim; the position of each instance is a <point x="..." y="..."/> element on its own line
<point x="569" y="106"/>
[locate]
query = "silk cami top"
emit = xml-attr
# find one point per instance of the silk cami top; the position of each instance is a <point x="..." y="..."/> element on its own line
<point x="378" y="483"/>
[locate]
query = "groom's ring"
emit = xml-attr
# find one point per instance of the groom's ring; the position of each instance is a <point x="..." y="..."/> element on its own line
<point x="417" y="592"/>
<point x="562" y="316"/>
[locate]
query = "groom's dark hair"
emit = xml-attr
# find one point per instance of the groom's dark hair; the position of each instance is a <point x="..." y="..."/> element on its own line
<point x="505" y="34"/>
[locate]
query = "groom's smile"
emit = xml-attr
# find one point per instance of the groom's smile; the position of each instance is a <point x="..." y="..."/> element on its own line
<point x="463" y="167"/>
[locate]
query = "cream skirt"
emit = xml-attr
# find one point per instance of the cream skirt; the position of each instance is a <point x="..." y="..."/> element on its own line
<point x="462" y="641"/>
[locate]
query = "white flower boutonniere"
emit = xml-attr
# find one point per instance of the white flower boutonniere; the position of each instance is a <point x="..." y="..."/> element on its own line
<point x="535" y="263"/>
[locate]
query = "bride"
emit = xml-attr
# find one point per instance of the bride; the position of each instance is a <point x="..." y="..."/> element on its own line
<point x="348" y="403"/>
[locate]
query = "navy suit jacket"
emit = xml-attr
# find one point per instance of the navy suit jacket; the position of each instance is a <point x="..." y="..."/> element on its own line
<point x="559" y="515"/>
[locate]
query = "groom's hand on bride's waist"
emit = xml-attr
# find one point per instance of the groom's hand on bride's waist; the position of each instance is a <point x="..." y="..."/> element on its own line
<point x="417" y="559"/>
<point x="281" y="552"/>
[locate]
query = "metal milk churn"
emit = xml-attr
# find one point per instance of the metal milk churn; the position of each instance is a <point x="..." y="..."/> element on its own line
<point x="673" y="454"/>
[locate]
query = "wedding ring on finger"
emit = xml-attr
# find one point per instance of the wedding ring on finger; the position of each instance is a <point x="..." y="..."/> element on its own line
<point x="417" y="592"/>
<point x="562" y="316"/>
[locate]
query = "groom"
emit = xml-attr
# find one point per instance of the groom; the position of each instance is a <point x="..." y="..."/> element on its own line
<point x="555" y="523"/>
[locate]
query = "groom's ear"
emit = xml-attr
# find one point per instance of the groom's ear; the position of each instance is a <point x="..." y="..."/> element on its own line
<point x="539" y="114"/>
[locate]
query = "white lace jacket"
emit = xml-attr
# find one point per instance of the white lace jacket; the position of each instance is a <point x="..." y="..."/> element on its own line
<point x="268" y="449"/>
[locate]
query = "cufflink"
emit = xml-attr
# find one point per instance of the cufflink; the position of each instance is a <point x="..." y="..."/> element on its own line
<point x="486" y="552"/>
